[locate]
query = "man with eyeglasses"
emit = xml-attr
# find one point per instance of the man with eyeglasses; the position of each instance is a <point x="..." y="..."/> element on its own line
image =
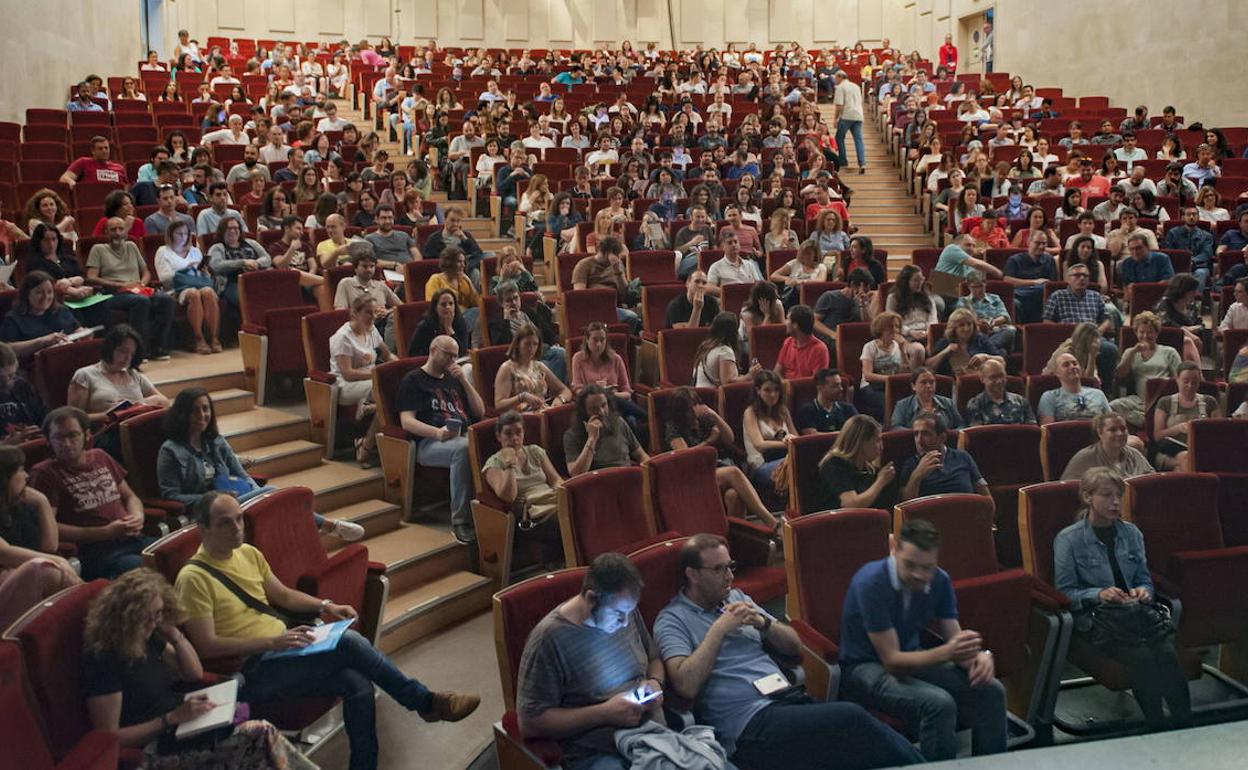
<point x="711" y="638"/>
<point x="1071" y="401"/>
<point x="1079" y="304"/>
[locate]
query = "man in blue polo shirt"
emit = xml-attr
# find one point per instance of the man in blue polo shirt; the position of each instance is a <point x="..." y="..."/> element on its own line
<point x="1143" y="265"/>
<point x="937" y="468"/>
<point x="711" y="638"/>
<point x="889" y="603"/>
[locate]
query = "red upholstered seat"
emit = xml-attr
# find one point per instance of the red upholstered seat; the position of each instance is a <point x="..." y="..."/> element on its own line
<point x="654" y="302"/>
<point x="403" y="477"/>
<point x="850" y="340"/>
<point x="682" y="496"/>
<point x="320" y="386"/>
<point x="272" y="306"/>
<point x="658" y="567"/>
<point x="652" y="267"/>
<point x="603" y="511"/>
<point x="677" y="351"/>
<point x="766" y="341"/>
<point x="733" y="296"/>
<point x="805" y="452"/>
<point x="141" y="437"/>
<point x="733" y="399"/>
<point x="660" y="401"/>
<point x="969" y="386"/>
<point x="25" y="746"/>
<point x="581" y="307"/>
<point x="1039" y="342"/>
<point x="416" y="275"/>
<point x="556" y="421"/>
<point x="809" y="292"/>
<point x="54" y="367"/>
<point x="1009" y="458"/>
<point x="1220" y="446"/>
<point x="407" y="317"/>
<point x="485" y="365"/>
<point x="1059" y="441"/>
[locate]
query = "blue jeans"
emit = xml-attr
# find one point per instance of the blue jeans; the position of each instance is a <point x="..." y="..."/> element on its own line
<point x="348" y="672"/>
<point x="452" y="454"/>
<point x="1106" y="362"/>
<point x="556" y="360"/>
<point x="152" y="317"/>
<point x="1028" y="304"/>
<point x="1004" y="338"/>
<point x="760" y="477"/>
<point x="112" y="558"/>
<point x="854" y="127"/>
<point x="471" y="316"/>
<point x="1201" y="271"/>
<point x="816" y="736"/>
<point x="940" y="697"/>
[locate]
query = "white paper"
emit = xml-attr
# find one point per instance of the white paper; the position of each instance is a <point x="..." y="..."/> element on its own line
<point x="394" y="276"/>
<point x="83" y="333"/>
<point x="225" y="695"/>
<point x="6" y="273"/>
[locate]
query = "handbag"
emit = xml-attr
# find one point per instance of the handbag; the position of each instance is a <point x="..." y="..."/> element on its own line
<point x="1139" y="624"/>
<point x="292" y="620"/>
<point x="191" y="278"/>
<point x="535" y="507"/>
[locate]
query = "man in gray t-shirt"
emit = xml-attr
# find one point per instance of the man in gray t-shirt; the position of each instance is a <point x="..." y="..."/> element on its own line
<point x="393" y="248"/>
<point x="599" y="438"/>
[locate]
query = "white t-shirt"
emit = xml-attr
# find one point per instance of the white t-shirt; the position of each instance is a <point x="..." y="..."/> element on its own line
<point x="848" y="97"/>
<point x="706" y="374"/>
<point x="883" y="362"/>
<point x="363" y="352"/>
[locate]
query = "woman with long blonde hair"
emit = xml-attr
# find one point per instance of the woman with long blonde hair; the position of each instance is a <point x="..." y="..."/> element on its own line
<point x="850" y="474"/>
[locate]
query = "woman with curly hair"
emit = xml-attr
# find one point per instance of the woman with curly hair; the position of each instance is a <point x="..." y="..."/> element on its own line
<point x="134" y="654"/>
<point x="47" y="208"/>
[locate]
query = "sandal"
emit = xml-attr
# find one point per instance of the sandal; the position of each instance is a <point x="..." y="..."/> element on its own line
<point x="215" y="346"/>
<point x="362" y="455"/>
<point x="202" y="348"/>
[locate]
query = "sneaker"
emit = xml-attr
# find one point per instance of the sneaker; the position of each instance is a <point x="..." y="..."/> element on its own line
<point x="348" y="531"/>
<point x="862" y="169"/>
<point x="464" y="534"/>
<point x="160" y="355"/>
<point x="450" y="707"/>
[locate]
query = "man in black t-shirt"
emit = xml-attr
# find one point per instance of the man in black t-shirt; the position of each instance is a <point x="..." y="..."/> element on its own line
<point x="827" y="412"/>
<point x="435" y="404"/>
<point x="21" y="409"/>
<point x="847" y="305"/>
<point x="693" y="308"/>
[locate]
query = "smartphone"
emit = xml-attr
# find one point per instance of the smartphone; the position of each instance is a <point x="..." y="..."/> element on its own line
<point x="117" y="407"/>
<point x="771" y="684"/>
<point x="642" y="694"/>
<point x="454" y="426"/>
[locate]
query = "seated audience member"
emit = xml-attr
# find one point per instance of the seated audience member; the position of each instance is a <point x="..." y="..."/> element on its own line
<point x="209" y="219"/>
<point x="599" y="437"/>
<point x="1110" y="448"/>
<point x="956" y="259"/>
<point x="1180" y="307"/>
<point x="606" y="268"/>
<point x="513" y="315"/>
<point x="435" y="403"/>
<point x="120" y="204"/>
<point x="850" y="474"/>
<point x="696" y="307"/>
<point x="1117" y="242"/>
<point x="523" y="382"/>
<point x="996" y="405"/>
<point x="733" y="267"/>
<point x="393" y="248"/>
<point x="881" y="357"/>
<point x="97" y="168"/>
<point x="802" y="354"/>
<point x="711" y="639"/>
<point x="919" y="309"/>
<point x="21" y="409"/>
<point x="937" y="468"/>
<point x="826" y="412"/>
<point x="596" y="363"/>
<point x="36" y="320"/>
<point x="1235" y="239"/>
<point x="180" y="268"/>
<point x="30" y="569"/>
<point x="453" y="275"/>
<point x="1173" y="413"/>
<point x="364" y="283"/>
<point x="963" y="348"/>
<point x="715" y="362"/>
<point x="113" y="383"/>
<point x="1077" y="304"/>
<point x="1071" y="400"/>
<point x="861" y="254"/>
<point x="1145" y="360"/>
<point x="1027" y="272"/>
<point x="118" y="268"/>
<point x="355" y="349"/>
<point x="1100" y="563"/>
<point x="133" y="655"/>
<point x="218" y="625"/>
<point x="521" y="474"/>
<point x="454" y="234"/>
<point x="1236" y="316"/>
<point x="992" y="318"/>
<point x="336" y="246"/>
<point x="87" y="489"/>
<point x="234" y="254"/>
<point x="292" y="252"/>
<point x="762" y="307"/>
<point x="442" y="318"/>
<point x="691" y="423"/>
<point x="924" y="400"/>
<point x="583" y="665"/>
<point x="851" y="304"/>
<point x="511" y="268"/>
<point x="50" y="251"/>
<point x="766" y="423"/>
<point x="1189" y="236"/>
<point x="890" y="602"/>
<point x="1143" y="263"/>
<point x="691" y="239"/>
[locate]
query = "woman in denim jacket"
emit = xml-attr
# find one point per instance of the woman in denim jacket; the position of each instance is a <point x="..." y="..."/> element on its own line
<point x="1100" y="559"/>
<point x="195" y="458"/>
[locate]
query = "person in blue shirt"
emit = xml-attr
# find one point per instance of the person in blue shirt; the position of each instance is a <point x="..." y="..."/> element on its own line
<point x="1196" y="239"/>
<point x="570" y="78"/>
<point x="937" y="468"/>
<point x="84" y="102"/>
<point x="1144" y="265"/>
<point x="1235" y="240"/>
<point x="884" y="667"/>
<point x="711" y="637"/>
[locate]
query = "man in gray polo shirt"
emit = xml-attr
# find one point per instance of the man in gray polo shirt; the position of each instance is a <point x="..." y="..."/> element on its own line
<point x="393" y="247"/>
<point x="711" y="640"/>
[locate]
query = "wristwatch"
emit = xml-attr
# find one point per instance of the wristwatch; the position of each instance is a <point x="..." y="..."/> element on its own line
<point x="325" y="605"/>
<point x="766" y="625"/>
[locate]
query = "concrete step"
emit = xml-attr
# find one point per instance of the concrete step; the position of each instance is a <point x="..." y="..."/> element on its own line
<point x="261" y="426"/>
<point x="232" y="400"/>
<point x="335" y="484"/>
<point x="283" y="458"/>
<point x="377" y="517"/>
<point x="426" y="609"/>
<point x="415" y="554"/>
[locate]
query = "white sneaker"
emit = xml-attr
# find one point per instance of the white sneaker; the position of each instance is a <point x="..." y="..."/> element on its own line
<point x="348" y="531"/>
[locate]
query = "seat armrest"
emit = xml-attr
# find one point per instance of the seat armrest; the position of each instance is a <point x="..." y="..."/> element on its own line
<point x="547" y="751"/>
<point x="750" y="542"/>
<point x="256" y="329"/>
<point x="394" y="431"/>
<point x="98" y="750"/>
<point x="1048" y="598"/>
<point x="170" y="507"/>
<point x="317" y="375"/>
<point x="817" y="642"/>
<point x="1164" y="585"/>
<point x="340" y="577"/>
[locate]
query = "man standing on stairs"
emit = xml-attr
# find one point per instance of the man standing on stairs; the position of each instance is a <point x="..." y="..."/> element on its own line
<point x="847" y="115"/>
<point x="235" y="607"/>
<point x="435" y="403"/>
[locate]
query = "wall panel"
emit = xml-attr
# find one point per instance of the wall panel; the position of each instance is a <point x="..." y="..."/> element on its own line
<point x="231" y="14"/>
<point x="736" y="21"/>
<point x="870" y="20"/>
<point x="470" y="15"/>
<point x="419" y="19"/>
<point x="330" y="15"/>
<point x="280" y="15"/>
<point x="693" y="21"/>
<point x="378" y="17"/>
<point x="605" y="20"/>
<point x="652" y="24"/>
<point x="559" y="19"/>
<point x="515" y="21"/>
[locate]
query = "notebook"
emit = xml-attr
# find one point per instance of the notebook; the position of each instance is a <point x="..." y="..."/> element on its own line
<point x="324" y="638"/>
<point x="225" y="696"/>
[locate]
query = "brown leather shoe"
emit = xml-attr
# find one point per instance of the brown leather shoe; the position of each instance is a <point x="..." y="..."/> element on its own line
<point x="450" y="707"/>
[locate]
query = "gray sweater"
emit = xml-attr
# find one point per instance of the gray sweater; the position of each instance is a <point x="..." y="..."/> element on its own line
<point x="232" y="267"/>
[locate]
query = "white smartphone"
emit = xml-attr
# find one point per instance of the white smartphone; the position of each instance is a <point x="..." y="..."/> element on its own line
<point x="642" y="694"/>
<point x="771" y="684"/>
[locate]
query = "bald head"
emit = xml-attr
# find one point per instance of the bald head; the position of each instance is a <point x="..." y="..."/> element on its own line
<point x="115" y="227"/>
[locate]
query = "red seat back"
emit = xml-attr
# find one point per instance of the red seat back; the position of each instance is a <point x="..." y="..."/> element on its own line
<point x="678" y="349"/>
<point x="654" y="302"/>
<point x="1151" y="503"/>
<point x="965" y="523"/>
<point x="850" y="340"/>
<point x="603" y="511"/>
<point x="681" y="492"/>
<point x="407" y="317"/>
<point x="822" y="554"/>
<point x="1059" y="441"/>
<point x="520" y="607"/>
<point x="485" y="365"/>
<point x="141" y="437"/>
<point x="416" y="275"/>
<point x="652" y="267"/>
<point x="483" y="444"/>
<point x="386" y="379"/>
<point x="581" y="307"/>
<point x="766" y="341"/>
<point x="1039" y="342"/>
<point x="658" y="567"/>
<point x="1005" y="454"/>
<point x="1043" y="511"/>
<point x="805" y="453"/>
<point x="733" y="296"/>
<point x="317" y="329"/>
<point x="556" y="421"/>
<point x="280" y="525"/>
<point x="54" y="367"/>
<point x="263" y="290"/>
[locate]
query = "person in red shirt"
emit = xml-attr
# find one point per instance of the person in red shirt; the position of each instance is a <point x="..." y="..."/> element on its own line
<point x="97" y="168"/>
<point x="1090" y="182"/>
<point x="949" y="54"/>
<point x="120" y="204"/>
<point x="823" y="200"/>
<point x="802" y="354"/>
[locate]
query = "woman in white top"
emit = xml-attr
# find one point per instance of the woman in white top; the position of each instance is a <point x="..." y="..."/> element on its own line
<point x="716" y="361"/>
<point x="1237" y="314"/>
<point x="113" y="381"/>
<point x="575" y="138"/>
<point x="1042" y="157"/>
<point x="536" y="200"/>
<point x="523" y="382"/>
<point x="353" y="352"/>
<point x="338" y="73"/>
<point x="806" y="266"/>
<point x="486" y="164"/>
<point x="767" y="423"/>
<point x="751" y="214"/>
<point x="315" y="73"/>
<point x="1208" y="206"/>
<point x="881" y="357"/>
<point x="182" y="272"/>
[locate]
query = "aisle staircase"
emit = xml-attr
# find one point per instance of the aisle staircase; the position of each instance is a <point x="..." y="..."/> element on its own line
<point x="881" y="207"/>
<point x="431" y="582"/>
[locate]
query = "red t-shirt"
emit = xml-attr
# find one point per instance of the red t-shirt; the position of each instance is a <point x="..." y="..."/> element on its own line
<point x="91" y="170"/>
<point x="802" y="361"/>
<point x="1097" y="185"/>
<point x="136" y="229"/>
<point x="812" y="211"/>
<point x="86" y="497"/>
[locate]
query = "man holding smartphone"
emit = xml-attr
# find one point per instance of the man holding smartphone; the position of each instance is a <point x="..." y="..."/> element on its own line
<point x="711" y="638"/>
<point x="884" y="667"/>
<point x="937" y="468"/>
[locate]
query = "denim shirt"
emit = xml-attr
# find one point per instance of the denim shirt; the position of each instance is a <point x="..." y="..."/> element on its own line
<point x="180" y="469"/>
<point x="1081" y="563"/>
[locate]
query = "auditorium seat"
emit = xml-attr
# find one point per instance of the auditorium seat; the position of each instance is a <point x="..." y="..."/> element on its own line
<point x="1220" y="447"/>
<point x="1009" y="458"/>
<point x="320" y="386"/>
<point x="604" y="510"/>
<point x="407" y="483"/>
<point x="272" y="306"/>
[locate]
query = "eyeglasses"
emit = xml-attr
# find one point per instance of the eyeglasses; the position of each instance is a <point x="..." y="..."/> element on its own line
<point x="720" y="569"/>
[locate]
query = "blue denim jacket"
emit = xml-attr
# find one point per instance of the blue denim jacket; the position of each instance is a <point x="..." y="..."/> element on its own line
<point x="1081" y="562"/>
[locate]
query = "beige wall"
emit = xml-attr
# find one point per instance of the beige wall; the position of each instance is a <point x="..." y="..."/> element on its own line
<point x="52" y="43"/>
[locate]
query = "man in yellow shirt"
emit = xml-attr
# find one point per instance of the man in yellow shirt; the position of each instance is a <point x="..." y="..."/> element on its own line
<point x="336" y="246"/>
<point x="220" y="624"/>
